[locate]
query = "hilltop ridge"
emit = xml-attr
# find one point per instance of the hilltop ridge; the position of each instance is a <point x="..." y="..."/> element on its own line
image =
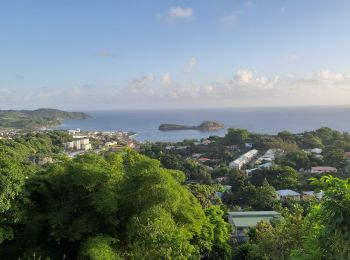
<point x="32" y="119"/>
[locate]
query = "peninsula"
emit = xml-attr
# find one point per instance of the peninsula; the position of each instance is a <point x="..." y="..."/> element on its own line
<point x="33" y="119"/>
<point x="204" y="126"/>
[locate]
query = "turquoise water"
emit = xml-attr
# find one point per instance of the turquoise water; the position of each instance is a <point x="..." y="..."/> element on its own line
<point x="260" y="120"/>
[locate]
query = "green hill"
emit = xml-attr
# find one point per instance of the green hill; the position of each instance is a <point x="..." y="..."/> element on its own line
<point x="32" y="119"/>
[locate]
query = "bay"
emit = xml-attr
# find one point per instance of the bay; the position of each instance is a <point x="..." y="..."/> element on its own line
<point x="260" y="120"/>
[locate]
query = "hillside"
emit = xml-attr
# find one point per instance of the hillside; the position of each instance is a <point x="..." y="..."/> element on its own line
<point x="31" y="119"/>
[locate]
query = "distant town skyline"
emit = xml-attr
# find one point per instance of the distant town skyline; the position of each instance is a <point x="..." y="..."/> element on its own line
<point x="87" y="55"/>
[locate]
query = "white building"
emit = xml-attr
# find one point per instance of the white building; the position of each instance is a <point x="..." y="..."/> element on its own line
<point x="78" y="144"/>
<point x="314" y="150"/>
<point x="313" y="194"/>
<point x="281" y="194"/>
<point x="85" y="147"/>
<point x="243" y="159"/>
<point x="269" y="156"/>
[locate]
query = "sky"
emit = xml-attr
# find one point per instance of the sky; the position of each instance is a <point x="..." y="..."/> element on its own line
<point x="158" y="54"/>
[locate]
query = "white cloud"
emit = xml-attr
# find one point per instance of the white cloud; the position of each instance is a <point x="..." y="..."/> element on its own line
<point x="141" y="86"/>
<point x="243" y="88"/>
<point x="191" y="66"/>
<point x="243" y="77"/>
<point x="166" y="79"/>
<point x="246" y="88"/>
<point x="292" y="58"/>
<point x="177" y="13"/>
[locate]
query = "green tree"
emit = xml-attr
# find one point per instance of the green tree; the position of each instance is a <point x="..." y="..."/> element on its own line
<point x="236" y="136"/>
<point x="277" y="240"/>
<point x="259" y="198"/>
<point x="327" y="227"/>
<point x="335" y="157"/>
<point x="286" y="136"/>
<point x="280" y="177"/>
<point x="99" y="248"/>
<point x="296" y="159"/>
<point x="237" y="179"/>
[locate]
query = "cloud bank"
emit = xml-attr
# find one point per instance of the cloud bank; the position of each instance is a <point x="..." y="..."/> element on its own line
<point x="243" y="88"/>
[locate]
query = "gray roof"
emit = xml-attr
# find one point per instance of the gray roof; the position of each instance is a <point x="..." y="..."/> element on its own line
<point x="251" y="218"/>
<point x="287" y="193"/>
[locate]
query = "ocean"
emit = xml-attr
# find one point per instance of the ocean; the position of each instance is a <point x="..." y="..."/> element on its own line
<point x="259" y="120"/>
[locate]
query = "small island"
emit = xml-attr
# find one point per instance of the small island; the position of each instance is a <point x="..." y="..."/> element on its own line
<point x="204" y="126"/>
<point x="34" y="119"/>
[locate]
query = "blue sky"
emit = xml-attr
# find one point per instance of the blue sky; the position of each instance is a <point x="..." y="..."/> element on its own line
<point x="164" y="54"/>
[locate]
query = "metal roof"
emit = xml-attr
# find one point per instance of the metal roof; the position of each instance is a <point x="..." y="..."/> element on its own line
<point x="251" y="218"/>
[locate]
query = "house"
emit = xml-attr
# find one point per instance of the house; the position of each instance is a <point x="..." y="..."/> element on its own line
<point x="243" y="159"/>
<point x="267" y="165"/>
<point x="243" y="221"/>
<point x="131" y="144"/>
<point x="232" y="147"/>
<point x="323" y="169"/>
<point x="181" y="147"/>
<point x="248" y="145"/>
<point x="111" y="143"/>
<point x="221" y="179"/>
<point x="249" y="171"/>
<point x="74" y="131"/>
<point x="206" y="142"/>
<point x="203" y="159"/>
<point x="269" y="156"/>
<point x="316" y="150"/>
<point x="227" y="187"/>
<point x="196" y="155"/>
<point x="282" y="194"/>
<point x="313" y="194"/>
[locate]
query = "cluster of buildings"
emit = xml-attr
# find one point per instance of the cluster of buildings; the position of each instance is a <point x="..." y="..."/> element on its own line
<point x="111" y="140"/>
<point x="291" y="194"/>
<point x="243" y="159"/>
<point x="242" y="221"/>
<point x="78" y="144"/>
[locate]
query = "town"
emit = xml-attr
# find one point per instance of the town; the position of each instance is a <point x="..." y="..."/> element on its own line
<point x="260" y="185"/>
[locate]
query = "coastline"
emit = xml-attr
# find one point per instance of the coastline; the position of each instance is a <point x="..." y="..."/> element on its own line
<point x="267" y="121"/>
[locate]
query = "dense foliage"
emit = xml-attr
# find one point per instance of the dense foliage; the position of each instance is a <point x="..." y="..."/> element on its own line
<point x="104" y="207"/>
<point x="163" y="203"/>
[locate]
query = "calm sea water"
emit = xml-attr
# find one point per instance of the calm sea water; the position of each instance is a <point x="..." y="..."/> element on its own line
<point x="260" y="120"/>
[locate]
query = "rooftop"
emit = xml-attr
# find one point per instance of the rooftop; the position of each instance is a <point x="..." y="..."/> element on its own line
<point x="287" y="193"/>
<point x="251" y="218"/>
